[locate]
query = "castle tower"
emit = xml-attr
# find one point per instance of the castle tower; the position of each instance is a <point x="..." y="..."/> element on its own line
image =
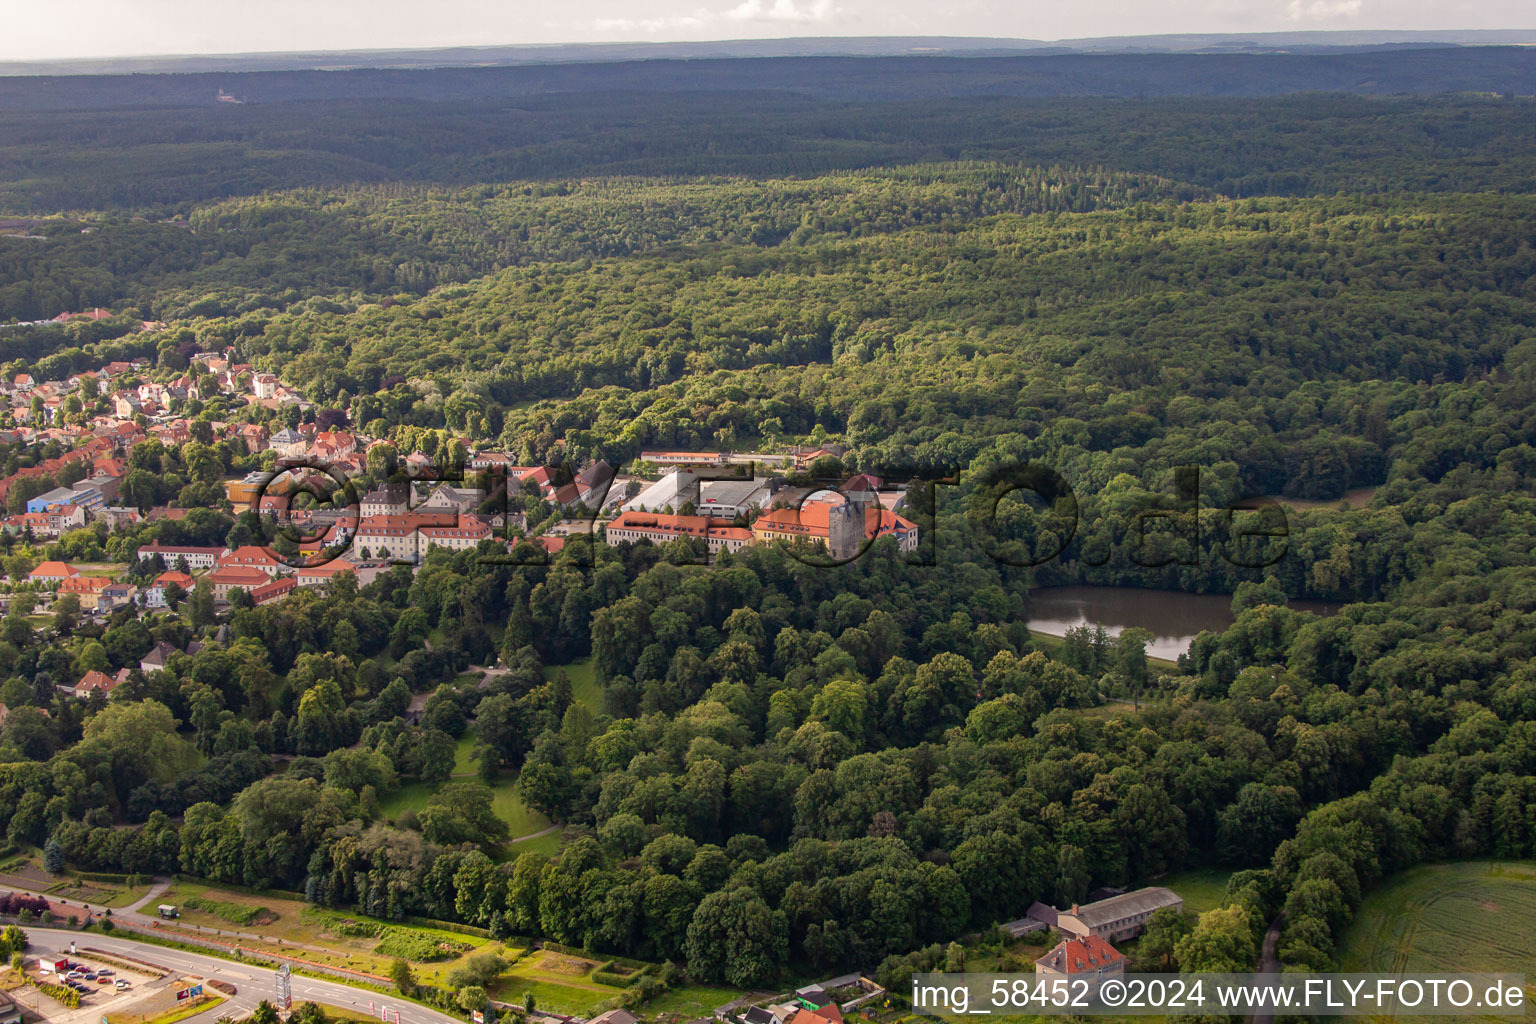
<point x="845" y="531"/>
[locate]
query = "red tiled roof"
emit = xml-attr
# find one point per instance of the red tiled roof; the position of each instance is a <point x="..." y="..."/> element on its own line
<point x="270" y="591"/>
<point x="238" y="575"/>
<point x="679" y="526"/>
<point x="810" y="519"/>
<point x="1076" y="956"/>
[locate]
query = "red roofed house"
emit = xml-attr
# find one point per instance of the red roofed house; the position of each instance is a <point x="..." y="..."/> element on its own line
<point x="154" y="594"/>
<point x="273" y="591"/>
<point x="466" y="535"/>
<point x="252" y="557"/>
<point x="320" y="575"/>
<point x="94" y="680"/>
<point x="236" y="577"/>
<point x="1086" y="956"/>
<point x="87" y="588"/>
<point x="717" y="534"/>
<point x="829" y="1014"/>
<point x="392" y="537"/>
<point x="52" y="572"/>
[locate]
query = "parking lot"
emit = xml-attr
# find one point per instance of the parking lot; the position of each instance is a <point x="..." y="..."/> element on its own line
<point x="106" y="985"/>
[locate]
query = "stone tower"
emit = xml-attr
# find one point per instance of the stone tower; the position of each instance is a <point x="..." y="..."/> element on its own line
<point x="845" y="530"/>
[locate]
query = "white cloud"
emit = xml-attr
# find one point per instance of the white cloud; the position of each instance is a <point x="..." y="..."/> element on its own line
<point x="815" y="11"/>
<point x="782" y="12"/>
<point x="649" y="26"/>
<point x="1322" y="10"/>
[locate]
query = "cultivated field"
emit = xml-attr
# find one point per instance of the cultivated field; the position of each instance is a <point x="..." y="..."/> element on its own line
<point x="1470" y="916"/>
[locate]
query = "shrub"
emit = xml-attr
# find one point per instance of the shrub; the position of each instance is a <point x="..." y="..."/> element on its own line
<point x="409" y="944"/>
<point x="234" y="913"/>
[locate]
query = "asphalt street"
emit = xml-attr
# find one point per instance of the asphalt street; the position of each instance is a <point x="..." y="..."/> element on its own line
<point x="252" y="983"/>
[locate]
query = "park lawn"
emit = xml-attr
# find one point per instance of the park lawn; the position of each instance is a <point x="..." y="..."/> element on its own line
<point x="412" y="796"/>
<point x="463" y="764"/>
<point x="547" y="845"/>
<point x="509" y="807"/>
<point x="1464" y="916"/>
<point x="521" y="819"/>
<point x="1201" y="888"/>
<point x="584" y="685"/>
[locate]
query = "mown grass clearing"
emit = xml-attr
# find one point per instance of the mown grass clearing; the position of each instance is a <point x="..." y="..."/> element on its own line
<point x="584" y="685"/>
<point x="509" y="807"/>
<point x="1202" y="888"/>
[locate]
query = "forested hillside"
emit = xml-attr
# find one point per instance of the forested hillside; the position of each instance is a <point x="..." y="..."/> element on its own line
<point x="160" y="160"/>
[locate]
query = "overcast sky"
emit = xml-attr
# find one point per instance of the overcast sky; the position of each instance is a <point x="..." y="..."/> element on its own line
<point x="50" y="29"/>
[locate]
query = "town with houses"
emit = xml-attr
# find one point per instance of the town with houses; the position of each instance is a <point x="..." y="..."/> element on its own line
<point x="305" y="481"/>
<point x="95" y="420"/>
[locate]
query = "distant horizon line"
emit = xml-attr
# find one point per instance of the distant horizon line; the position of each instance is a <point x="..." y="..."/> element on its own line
<point x="1165" y="42"/>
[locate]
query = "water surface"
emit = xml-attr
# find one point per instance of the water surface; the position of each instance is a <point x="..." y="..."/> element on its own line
<point x="1174" y="617"/>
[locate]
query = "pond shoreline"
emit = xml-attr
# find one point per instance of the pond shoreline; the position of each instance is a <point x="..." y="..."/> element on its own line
<point x="1174" y="617"/>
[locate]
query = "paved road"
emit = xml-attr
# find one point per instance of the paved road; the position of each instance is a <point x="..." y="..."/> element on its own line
<point x="1269" y="963"/>
<point x="252" y="983"/>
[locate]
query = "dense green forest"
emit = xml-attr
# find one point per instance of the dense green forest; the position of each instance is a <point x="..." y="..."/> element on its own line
<point x="792" y="768"/>
<point x="161" y="160"/>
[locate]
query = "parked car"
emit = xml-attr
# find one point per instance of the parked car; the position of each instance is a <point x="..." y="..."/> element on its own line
<point x="107" y="971"/>
<point x="121" y="984"/>
<point x="103" y="981"/>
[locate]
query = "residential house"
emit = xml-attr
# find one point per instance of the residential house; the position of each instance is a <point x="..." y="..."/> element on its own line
<point x="154" y="594"/>
<point x="334" y="444"/>
<point x="385" y="501"/>
<point x="254" y="437"/>
<point x="480" y="462"/>
<point x="264" y="385"/>
<point x="287" y="443"/>
<point x="87" y="589"/>
<point x="158" y="657"/>
<point x="94" y="680"/>
<point x="252" y="557"/>
<point x="1090" y="957"/>
<point x="593" y="482"/>
<point x="322" y="575"/>
<point x="273" y="591"/>
<point x="448" y="498"/>
<point x="227" y="579"/>
<point x="171" y="555"/>
<point x="465" y="535"/>
<point x="52" y="572"/>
